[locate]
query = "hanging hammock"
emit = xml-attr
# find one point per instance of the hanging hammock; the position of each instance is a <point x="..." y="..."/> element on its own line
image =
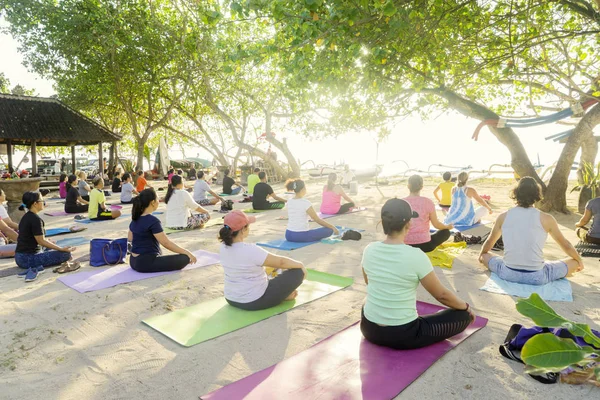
<point x="575" y="109"/>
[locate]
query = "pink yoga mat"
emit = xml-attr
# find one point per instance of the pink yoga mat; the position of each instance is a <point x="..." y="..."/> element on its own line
<point x="89" y="281"/>
<point x="344" y="366"/>
<point x="62" y="213"/>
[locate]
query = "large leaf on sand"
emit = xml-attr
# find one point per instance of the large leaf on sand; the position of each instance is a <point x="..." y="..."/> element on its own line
<point x="551" y="353"/>
<point x="543" y="315"/>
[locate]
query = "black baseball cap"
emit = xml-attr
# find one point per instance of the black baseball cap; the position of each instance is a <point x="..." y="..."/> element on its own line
<point x="398" y="210"/>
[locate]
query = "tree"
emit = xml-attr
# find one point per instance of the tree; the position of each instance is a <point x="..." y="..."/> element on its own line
<point x="131" y="56"/>
<point x="461" y="55"/>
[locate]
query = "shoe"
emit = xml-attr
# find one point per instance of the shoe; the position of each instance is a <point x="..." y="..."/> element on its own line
<point x="79" y="217"/>
<point x="23" y="273"/>
<point x="40" y="270"/>
<point x="31" y="275"/>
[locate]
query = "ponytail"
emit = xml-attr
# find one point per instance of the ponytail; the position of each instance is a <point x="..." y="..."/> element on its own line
<point x="462" y="179"/>
<point x="142" y="202"/>
<point x="331" y="180"/>
<point x="175" y="180"/>
<point x="296" y="185"/>
<point x="72" y="178"/>
<point x="226" y="235"/>
<point x="28" y="200"/>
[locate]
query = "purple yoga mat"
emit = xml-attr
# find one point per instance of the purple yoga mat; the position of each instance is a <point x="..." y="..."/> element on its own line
<point x="62" y="213"/>
<point x="89" y="281"/>
<point x="344" y="366"/>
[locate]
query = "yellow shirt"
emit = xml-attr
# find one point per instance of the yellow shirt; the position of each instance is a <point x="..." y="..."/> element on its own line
<point x="96" y="198"/>
<point x="446" y="193"/>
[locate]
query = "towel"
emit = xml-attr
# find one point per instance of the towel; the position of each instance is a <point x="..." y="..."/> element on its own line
<point x="559" y="290"/>
<point x="443" y="256"/>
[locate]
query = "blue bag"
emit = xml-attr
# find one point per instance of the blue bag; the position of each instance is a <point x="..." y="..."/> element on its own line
<point x="107" y="251"/>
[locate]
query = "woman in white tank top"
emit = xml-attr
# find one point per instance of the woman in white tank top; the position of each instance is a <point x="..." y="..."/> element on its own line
<point x="524" y="231"/>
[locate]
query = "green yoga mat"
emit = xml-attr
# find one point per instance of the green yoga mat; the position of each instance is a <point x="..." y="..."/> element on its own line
<point x="205" y="321"/>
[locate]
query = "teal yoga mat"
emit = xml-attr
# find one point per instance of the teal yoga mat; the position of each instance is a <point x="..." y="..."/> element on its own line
<point x="211" y="319"/>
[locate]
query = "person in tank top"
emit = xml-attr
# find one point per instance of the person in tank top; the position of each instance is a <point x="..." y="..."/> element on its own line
<point x="524" y="230"/>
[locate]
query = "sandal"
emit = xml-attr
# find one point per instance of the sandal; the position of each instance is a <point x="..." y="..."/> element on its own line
<point x="458" y="237"/>
<point x="67" y="267"/>
<point x="78" y="217"/>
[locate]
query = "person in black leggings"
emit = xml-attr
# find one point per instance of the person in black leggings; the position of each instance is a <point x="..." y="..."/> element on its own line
<point x="146" y="235"/>
<point x="74" y="203"/>
<point x="246" y="283"/>
<point x="392" y="272"/>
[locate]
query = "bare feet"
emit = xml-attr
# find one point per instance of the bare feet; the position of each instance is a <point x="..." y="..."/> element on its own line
<point x="292" y="296"/>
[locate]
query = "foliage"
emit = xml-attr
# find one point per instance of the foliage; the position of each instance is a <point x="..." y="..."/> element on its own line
<point x="590" y="178"/>
<point x="548" y="353"/>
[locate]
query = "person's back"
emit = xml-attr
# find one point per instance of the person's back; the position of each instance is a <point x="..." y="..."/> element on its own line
<point x="524" y="238"/>
<point x="245" y="277"/>
<point x="253" y="180"/>
<point x="116" y="184"/>
<point x="446" y="188"/>
<point x="228" y="183"/>
<point x="143" y="230"/>
<point x="331" y="201"/>
<point x="126" y="192"/>
<point x="200" y="189"/>
<point x="297" y="216"/>
<point x="262" y="190"/>
<point x="96" y="197"/>
<point x="62" y="189"/>
<point x="141" y="183"/>
<point x="419" y="228"/>
<point x="462" y="211"/>
<point x="81" y="187"/>
<point x="178" y="208"/>
<point x="72" y="196"/>
<point x="594" y="207"/>
<point x="394" y="272"/>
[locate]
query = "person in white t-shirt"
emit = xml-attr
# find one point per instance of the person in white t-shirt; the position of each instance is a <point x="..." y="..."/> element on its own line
<point x="200" y="189"/>
<point x="247" y="285"/>
<point x="4" y="214"/>
<point x="299" y="212"/>
<point x="180" y="205"/>
<point x="127" y="190"/>
<point x="348" y="176"/>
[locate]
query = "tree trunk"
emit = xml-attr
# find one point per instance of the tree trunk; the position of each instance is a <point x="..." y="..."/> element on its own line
<point x="282" y="146"/>
<point x="519" y="160"/>
<point x="589" y="151"/>
<point x="140" y="154"/>
<point x="555" y="197"/>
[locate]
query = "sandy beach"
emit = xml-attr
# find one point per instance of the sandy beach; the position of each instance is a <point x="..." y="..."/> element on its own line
<point x="56" y="343"/>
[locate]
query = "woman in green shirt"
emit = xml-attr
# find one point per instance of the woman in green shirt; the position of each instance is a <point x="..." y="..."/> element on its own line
<point x="392" y="272"/>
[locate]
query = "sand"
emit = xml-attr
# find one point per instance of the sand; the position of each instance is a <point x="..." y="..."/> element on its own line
<point x="56" y="343"/>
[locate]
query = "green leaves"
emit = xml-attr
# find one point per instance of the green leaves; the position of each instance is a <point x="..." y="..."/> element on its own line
<point x="553" y="354"/>
<point x="543" y="315"/>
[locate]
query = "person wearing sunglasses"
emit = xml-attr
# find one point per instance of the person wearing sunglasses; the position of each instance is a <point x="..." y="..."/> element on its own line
<point x="29" y="254"/>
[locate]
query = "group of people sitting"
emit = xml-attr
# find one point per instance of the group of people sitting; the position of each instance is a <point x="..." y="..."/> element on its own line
<point x="392" y="268"/>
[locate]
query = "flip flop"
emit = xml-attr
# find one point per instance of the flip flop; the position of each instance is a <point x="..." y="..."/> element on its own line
<point x="77" y="228"/>
<point x="60" y="268"/>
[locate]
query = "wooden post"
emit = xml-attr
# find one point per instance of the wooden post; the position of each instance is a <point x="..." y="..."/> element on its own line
<point x="73" y="160"/>
<point x="9" y="154"/>
<point x="100" y="159"/>
<point x="34" y="158"/>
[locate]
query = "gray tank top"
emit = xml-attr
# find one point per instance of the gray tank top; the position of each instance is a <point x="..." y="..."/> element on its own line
<point x="524" y="238"/>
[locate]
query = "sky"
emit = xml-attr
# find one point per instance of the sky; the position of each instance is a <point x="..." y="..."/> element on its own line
<point x="444" y="140"/>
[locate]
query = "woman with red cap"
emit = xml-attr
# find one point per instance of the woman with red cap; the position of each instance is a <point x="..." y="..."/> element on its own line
<point x="246" y="283"/>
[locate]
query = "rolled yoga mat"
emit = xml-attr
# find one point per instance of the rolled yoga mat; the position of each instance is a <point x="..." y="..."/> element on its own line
<point x="211" y="319"/>
<point x="89" y="281"/>
<point x="344" y="366"/>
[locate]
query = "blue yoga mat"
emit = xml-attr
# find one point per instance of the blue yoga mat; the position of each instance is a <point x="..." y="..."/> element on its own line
<point x="57" y="231"/>
<point x="559" y="290"/>
<point x="282" y="244"/>
<point x="75" y="241"/>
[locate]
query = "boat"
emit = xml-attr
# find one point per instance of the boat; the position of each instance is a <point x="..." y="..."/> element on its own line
<point x="323" y="170"/>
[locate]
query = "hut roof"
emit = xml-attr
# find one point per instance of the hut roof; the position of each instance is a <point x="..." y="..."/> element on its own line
<point x="49" y="122"/>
